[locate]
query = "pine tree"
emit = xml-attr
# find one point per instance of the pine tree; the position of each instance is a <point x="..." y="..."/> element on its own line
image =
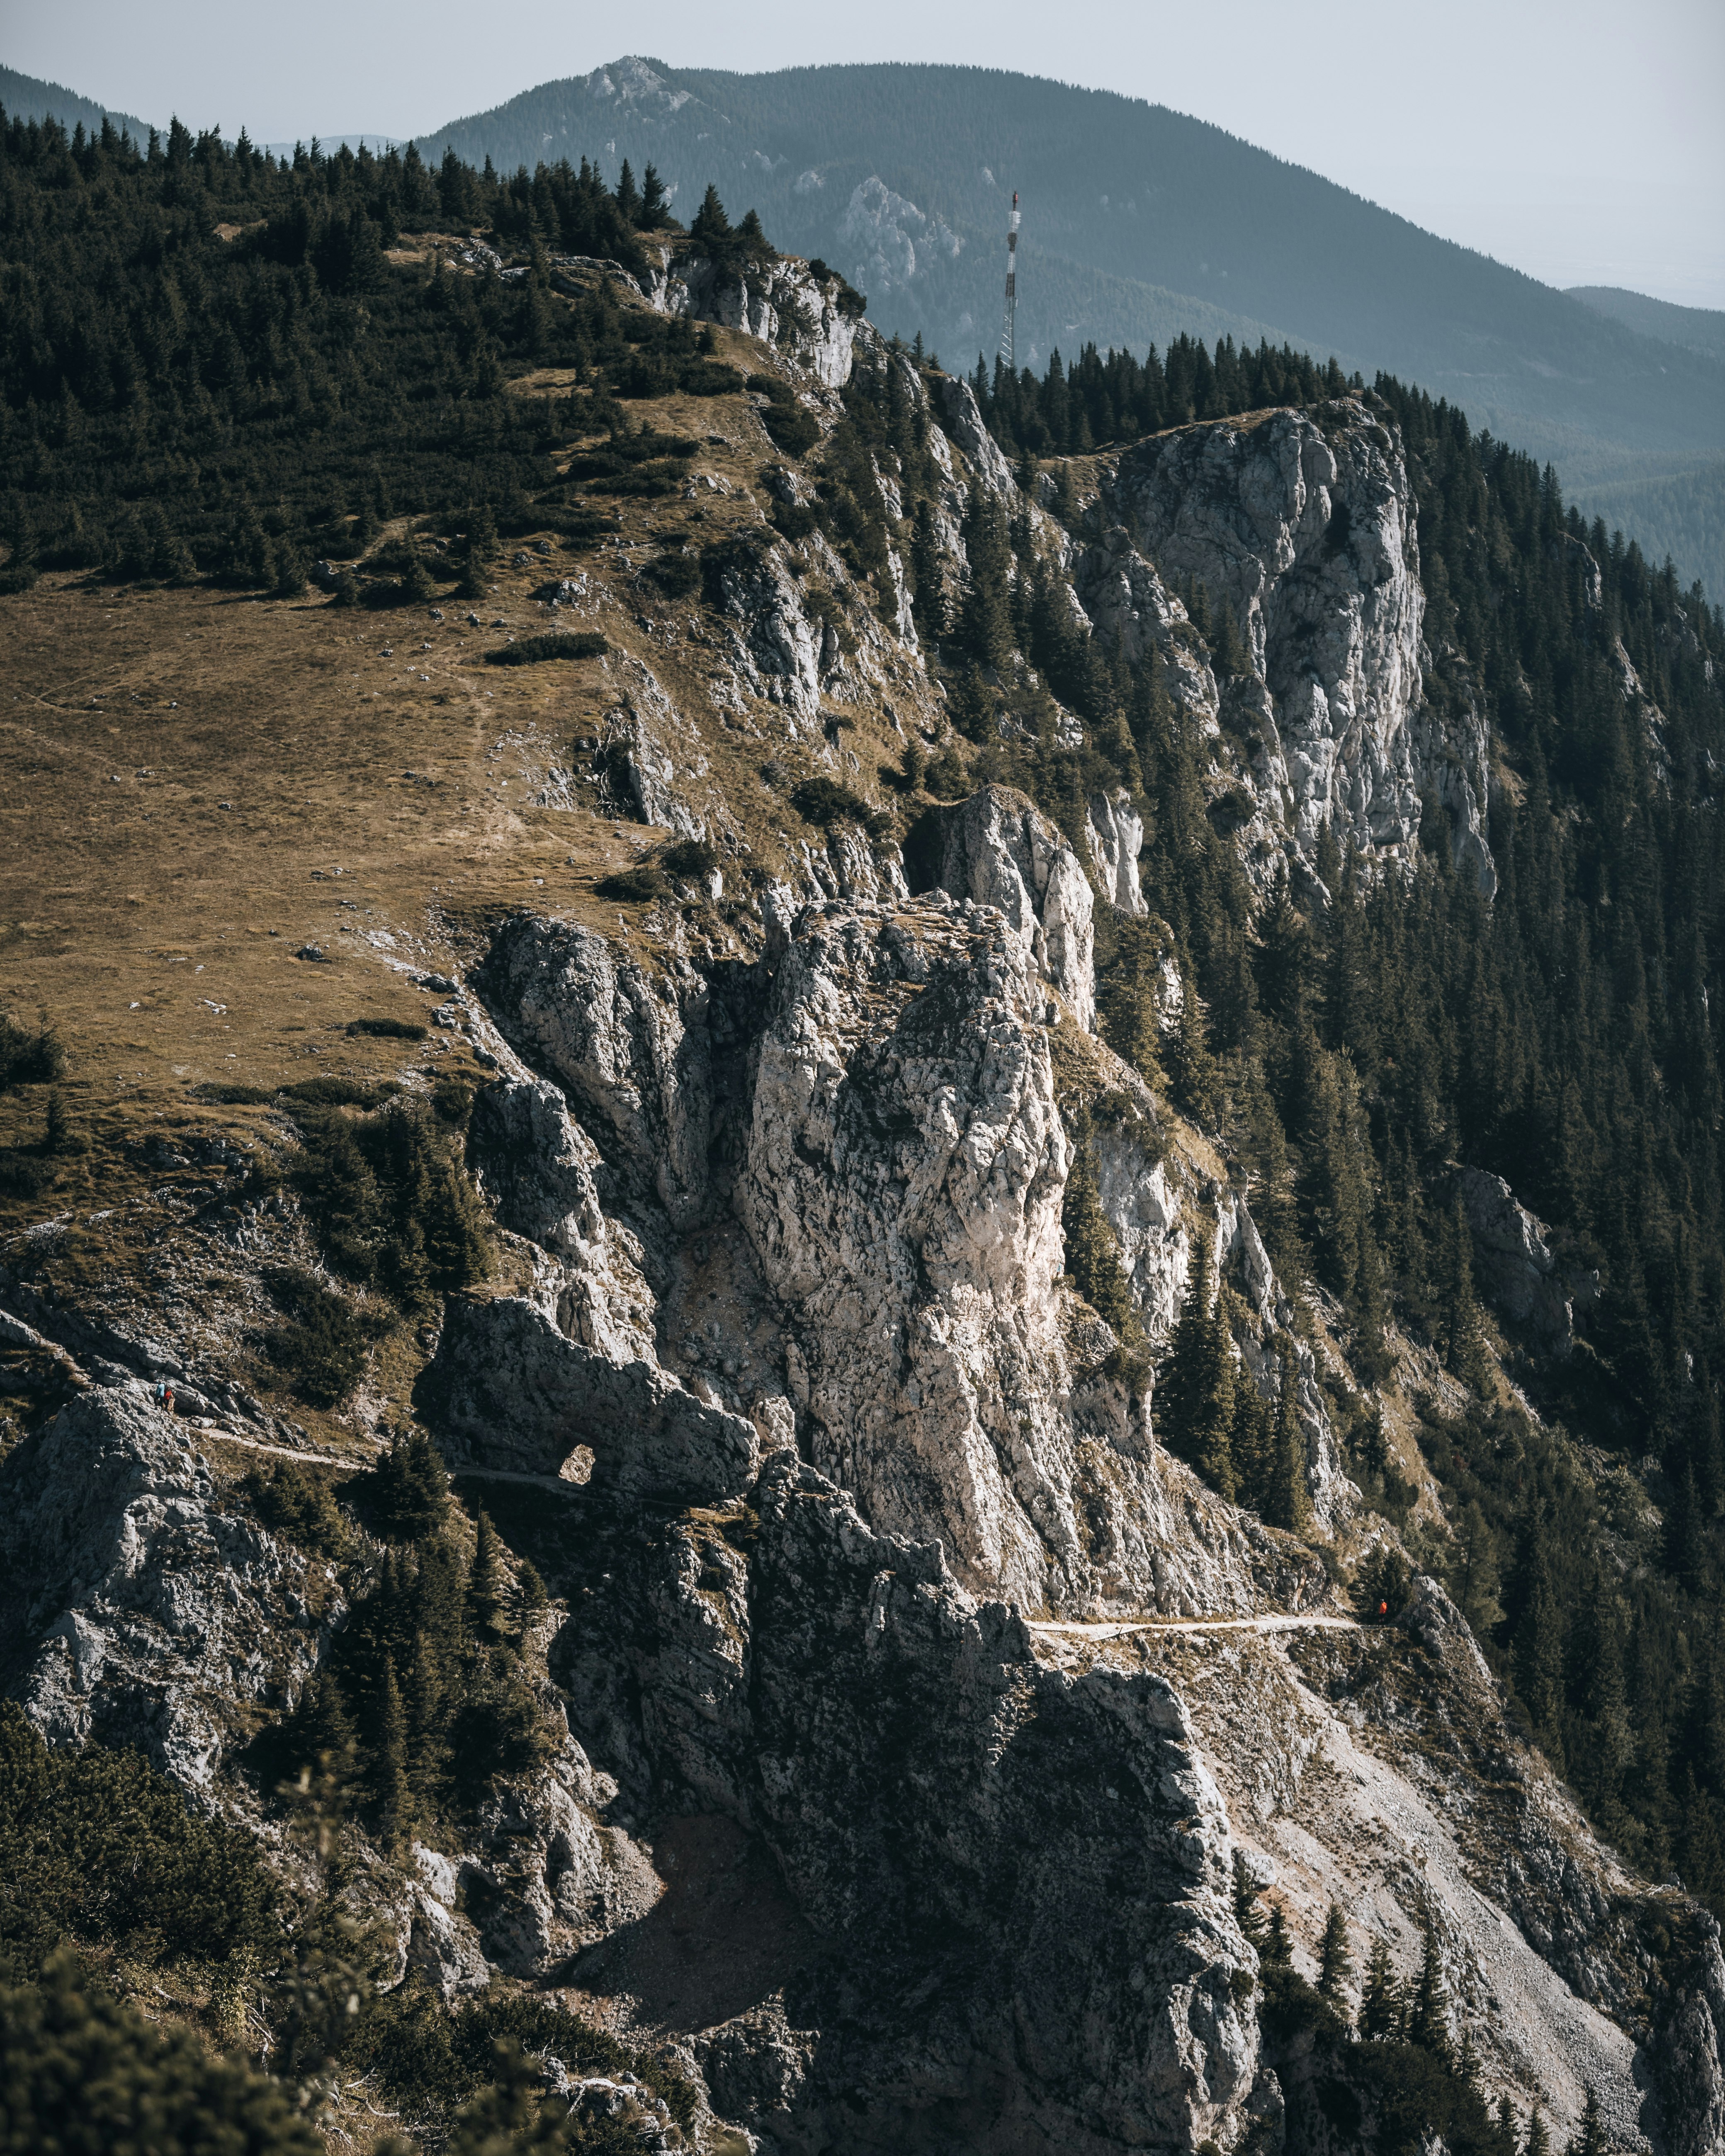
<point x="1591" y="2139"/>
<point x="1195" y="1388"/>
<point x="1429" y="2014"/>
<point x="710" y="235"/>
<point x="985" y="617"/>
<point x="427" y="1717"/>
<point x="1248" y="1915"/>
<point x="926" y="573"/>
<point x="328" y="1742"/>
<point x="1481" y="1581"/>
<point x="487" y="1586"/>
<point x="1191" y="1068"/>
<point x="1335" y="1963"/>
<point x="1463" y="1337"/>
<point x="1249" y="1443"/>
<point x="391" y="1791"/>
<point x="1538" y="2141"/>
<point x="530" y="1597"/>
<point x="1290" y="1504"/>
<point x="1382" y="2002"/>
<point x="655" y="203"/>
<point x="1539" y="1646"/>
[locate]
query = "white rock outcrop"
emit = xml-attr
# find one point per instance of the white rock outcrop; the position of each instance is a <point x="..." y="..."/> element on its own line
<point x="1115" y="832"/>
<point x="1307" y="530"/>
<point x="159" y="1617"/>
<point x="999" y="849"/>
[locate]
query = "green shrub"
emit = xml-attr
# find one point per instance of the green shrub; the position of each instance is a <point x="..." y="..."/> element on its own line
<point x="24" y="1174"/>
<point x="433" y="2061"/>
<point x="341" y="1092"/>
<point x="299" y="1503"/>
<point x="710" y="378"/>
<point x="83" y="2074"/>
<point x="26" y="1058"/>
<point x="637" y="885"/>
<point x="387" y="1028"/>
<point x="559" y="643"/>
<point x="692" y="858"/>
<point x="98" y="1846"/>
<point x="233" y="1097"/>
<point x="676" y="575"/>
<point x="324" y="1344"/>
<point x="452" y="1099"/>
<point x="825" y="801"/>
<point x="390" y="1202"/>
<point x="405" y="1496"/>
<point x="792" y="431"/>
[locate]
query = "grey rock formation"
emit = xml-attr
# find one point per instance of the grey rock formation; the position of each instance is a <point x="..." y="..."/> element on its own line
<point x="959" y="416"/>
<point x="776" y="648"/>
<point x="1307" y="532"/>
<point x="998" y="849"/>
<point x="1515" y="1264"/>
<point x="782" y="302"/>
<point x="629" y="1046"/>
<point x="1115" y="832"/>
<point x="148" y="1615"/>
<point x="903" y="1194"/>
<point x="518" y="1394"/>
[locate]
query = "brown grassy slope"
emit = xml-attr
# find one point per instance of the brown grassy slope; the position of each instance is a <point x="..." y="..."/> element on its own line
<point x="199" y="783"/>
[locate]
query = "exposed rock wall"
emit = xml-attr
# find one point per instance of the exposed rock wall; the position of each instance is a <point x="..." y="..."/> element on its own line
<point x="137" y="1609"/>
<point x="998" y="849"/>
<point x="1306" y="531"/>
<point x="780" y="302"/>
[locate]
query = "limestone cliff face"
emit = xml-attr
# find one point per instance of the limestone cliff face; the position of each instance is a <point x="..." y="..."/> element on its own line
<point x="780" y="302"/>
<point x="1307" y="532"/>
<point x="998" y="851"/>
<point x="863" y="1542"/>
<point x="881" y="1125"/>
<point x="137" y="1609"/>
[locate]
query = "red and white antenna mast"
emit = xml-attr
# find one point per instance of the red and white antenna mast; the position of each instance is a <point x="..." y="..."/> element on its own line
<point x="1007" y="346"/>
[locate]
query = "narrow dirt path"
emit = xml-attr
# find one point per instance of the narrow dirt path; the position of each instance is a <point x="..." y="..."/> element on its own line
<point x="1313" y="1622"/>
<point x="1071" y="1628"/>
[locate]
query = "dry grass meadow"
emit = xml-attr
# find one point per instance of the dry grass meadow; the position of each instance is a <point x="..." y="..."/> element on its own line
<point x="200" y="784"/>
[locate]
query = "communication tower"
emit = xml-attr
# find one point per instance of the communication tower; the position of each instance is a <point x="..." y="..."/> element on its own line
<point x="1007" y="348"/>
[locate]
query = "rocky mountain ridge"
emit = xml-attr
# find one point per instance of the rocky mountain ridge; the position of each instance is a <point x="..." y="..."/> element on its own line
<point x="861" y="1540"/>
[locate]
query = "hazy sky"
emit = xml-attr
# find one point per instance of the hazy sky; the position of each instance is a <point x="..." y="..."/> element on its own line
<point x="1582" y="142"/>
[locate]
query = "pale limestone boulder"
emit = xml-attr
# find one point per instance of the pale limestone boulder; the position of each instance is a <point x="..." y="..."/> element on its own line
<point x="628" y="1045"/>
<point x="1115" y="832"/>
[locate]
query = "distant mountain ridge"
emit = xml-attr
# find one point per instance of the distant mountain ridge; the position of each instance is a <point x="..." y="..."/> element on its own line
<point x="28" y="97"/>
<point x="1697" y="329"/>
<point x="1140" y="223"/>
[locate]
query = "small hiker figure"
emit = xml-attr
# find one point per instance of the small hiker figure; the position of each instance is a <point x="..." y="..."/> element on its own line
<point x="164" y="1394"/>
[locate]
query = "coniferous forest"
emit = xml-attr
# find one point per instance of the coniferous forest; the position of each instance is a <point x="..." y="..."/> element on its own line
<point x="211" y="369"/>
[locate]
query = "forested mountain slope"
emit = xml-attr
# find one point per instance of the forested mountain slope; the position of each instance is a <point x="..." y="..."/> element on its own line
<point x="1701" y="329"/>
<point x="862" y="1266"/>
<point x="28" y="97"/>
<point x="1138" y="222"/>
